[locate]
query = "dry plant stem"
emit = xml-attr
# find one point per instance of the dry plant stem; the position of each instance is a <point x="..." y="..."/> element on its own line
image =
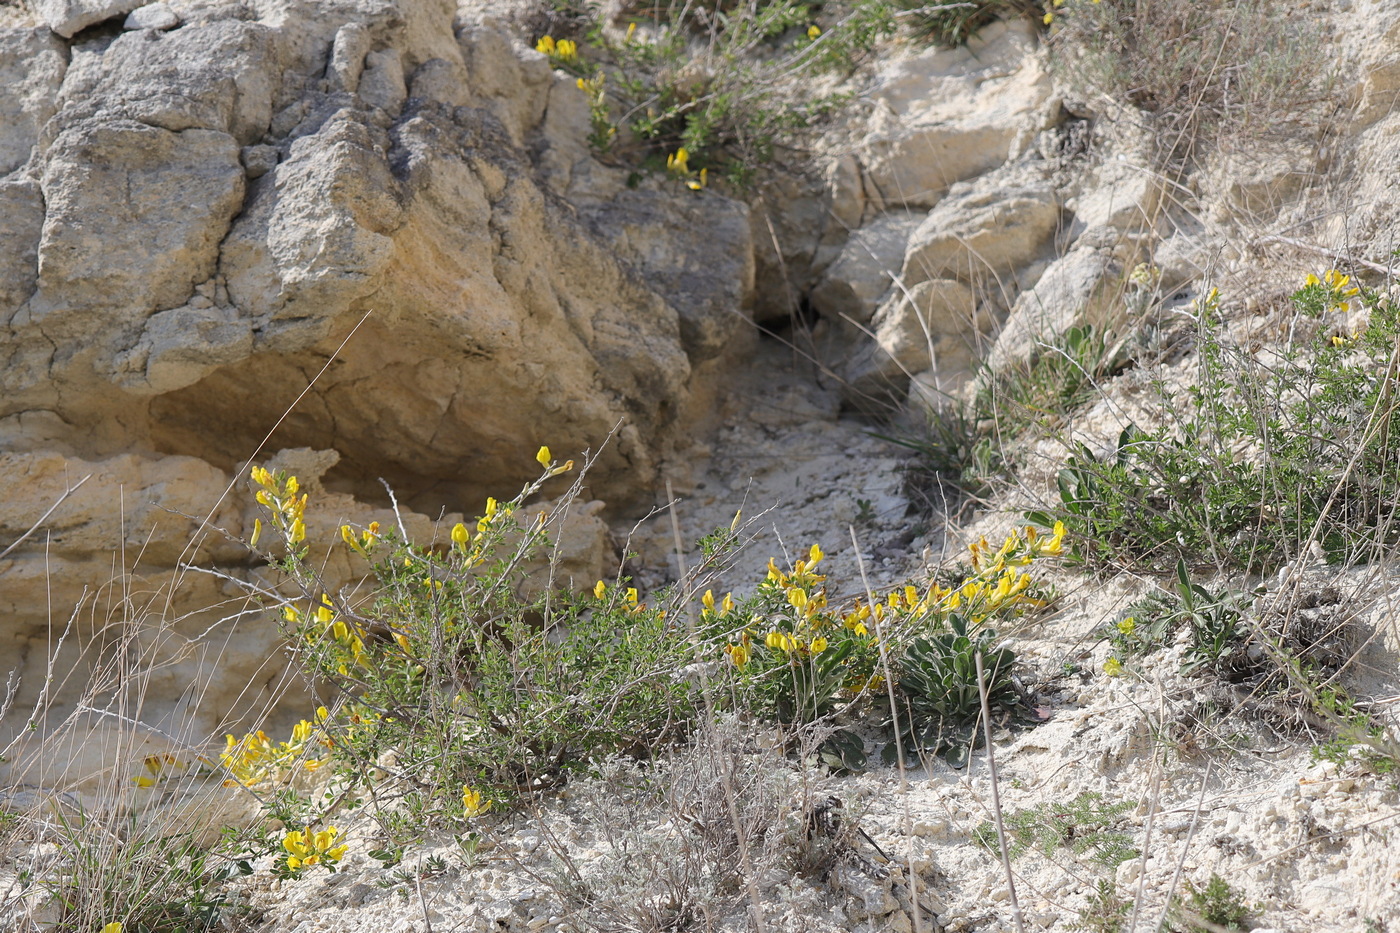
<point x="1146" y="843"/>
<point x="725" y="762"/>
<point x="42" y="518"/>
<point x="195" y="538"/>
<point x="423" y="901"/>
<point x="906" y="819"/>
<point x="1329" y="253"/>
<point x="1181" y="862"/>
<point x="996" y="796"/>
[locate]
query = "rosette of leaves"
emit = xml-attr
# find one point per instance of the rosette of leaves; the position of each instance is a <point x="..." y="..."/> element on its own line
<point x="938" y="698"/>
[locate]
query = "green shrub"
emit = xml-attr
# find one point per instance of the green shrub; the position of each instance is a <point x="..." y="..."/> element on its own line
<point x="1107" y="910"/>
<point x="1086" y="825"/>
<point x="479" y="688"/>
<point x="939" y="698"/>
<point x="1219" y="905"/>
<point x="1259" y="459"/>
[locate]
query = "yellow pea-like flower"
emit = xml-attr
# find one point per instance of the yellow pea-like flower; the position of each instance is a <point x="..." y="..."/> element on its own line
<point x="472" y="803"/>
<point x="600" y="590"/>
<point x="542" y="457"/>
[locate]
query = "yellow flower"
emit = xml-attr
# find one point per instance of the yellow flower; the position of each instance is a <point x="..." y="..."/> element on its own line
<point x="600" y="589"/>
<point x="543" y="457"/>
<point x="1127" y="626"/>
<point x="813" y="31"/>
<point x="257" y="532"/>
<point x="708" y="600"/>
<point x="460" y="535"/>
<point x="305" y="848"/>
<point x="472" y="804"/>
<point x="781" y="641"/>
<point x="696" y="184"/>
<point x="632" y="596"/>
<point x="818" y="645"/>
<point x="1338" y="283"/>
<point x="728" y="604"/>
<point x="678" y="162"/>
<point x="814" y="556"/>
<point x="774" y="574"/>
<point x="631" y="28"/>
<point x="739" y="654"/>
<point x="298" y="532"/>
<point x="114" y="927"/>
<point x="1113" y="667"/>
<point x="545" y="45"/>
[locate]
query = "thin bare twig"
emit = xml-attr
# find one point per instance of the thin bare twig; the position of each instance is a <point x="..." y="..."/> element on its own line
<point x="1326" y="251"/>
<point x="996" y="796"/>
<point x="42" y="518"/>
<point x="908" y="827"/>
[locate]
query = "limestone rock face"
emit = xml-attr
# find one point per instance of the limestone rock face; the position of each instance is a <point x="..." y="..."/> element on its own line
<point x="851" y="287"/>
<point x="937" y="325"/>
<point x="948" y="115"/>
<point x="32" y="66"/>
<point x="1068" y="294"/>
<point x="339" y="225"/>
<point x="985" y="229"/>
<point x="710" y="288"/>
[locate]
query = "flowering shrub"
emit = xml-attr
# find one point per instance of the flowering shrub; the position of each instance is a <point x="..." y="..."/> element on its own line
<point x="306" y="849"/>
<point x="254" y="758"/>
<point x="479" y="692"/>
<point x="695" y="83"/>
<point x="797" y="660"/>
<point x="1261" y="457"/>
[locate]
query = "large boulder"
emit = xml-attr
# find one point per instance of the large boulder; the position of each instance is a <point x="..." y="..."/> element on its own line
<point x="985" y="230"/>
<point x="326" y="225"/>
<point x="851" y="287"/>
<point x="936" y="325"/>
<point x="948" y="115"/>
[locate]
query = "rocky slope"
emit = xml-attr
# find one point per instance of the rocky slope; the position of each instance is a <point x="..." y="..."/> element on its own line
<point x="367" y="238"/>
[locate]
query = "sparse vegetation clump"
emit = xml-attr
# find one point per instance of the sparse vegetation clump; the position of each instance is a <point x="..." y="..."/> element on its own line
<point x="1208" y="74"/>
<point x="1265" y="456"/>
<point x="1088" y="826"/>
<point x="452" y="689"/>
